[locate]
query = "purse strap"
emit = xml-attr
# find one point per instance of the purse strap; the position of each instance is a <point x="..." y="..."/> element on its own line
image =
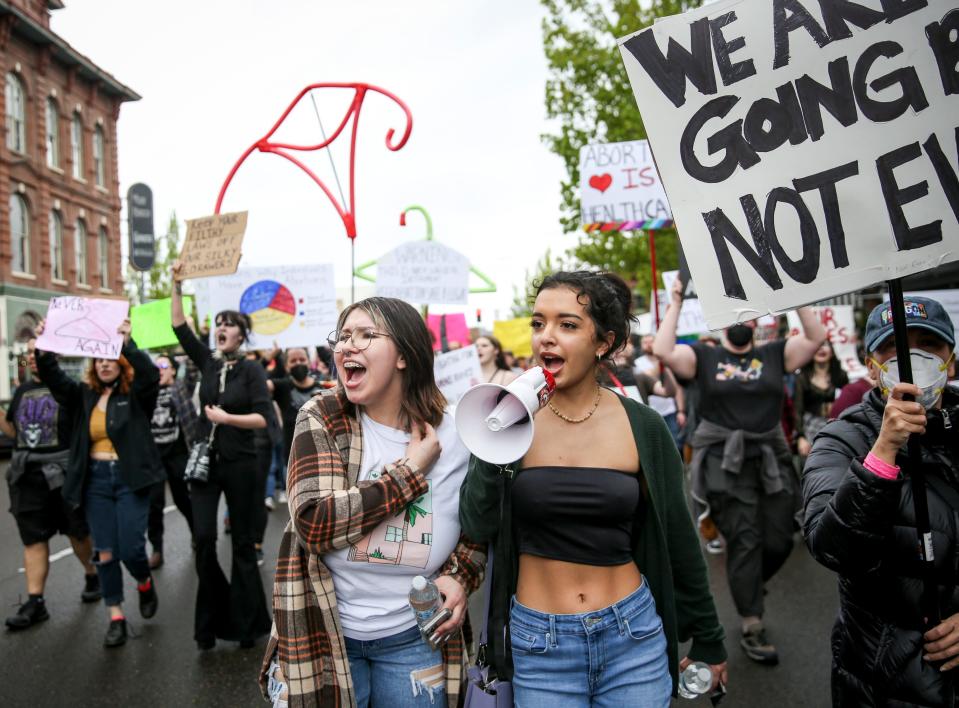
<point x="227" y="365"/>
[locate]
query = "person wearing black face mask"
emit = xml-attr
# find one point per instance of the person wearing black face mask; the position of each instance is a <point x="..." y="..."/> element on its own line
<point x="291" y="392"/>
<point x="741" y="463"/>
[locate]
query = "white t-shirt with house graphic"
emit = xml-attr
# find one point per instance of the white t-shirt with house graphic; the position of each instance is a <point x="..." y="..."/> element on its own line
<point x="372" y="578"/>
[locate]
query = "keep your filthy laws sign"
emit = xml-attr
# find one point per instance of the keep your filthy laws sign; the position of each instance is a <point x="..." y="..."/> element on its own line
<point x="808" y="147"/>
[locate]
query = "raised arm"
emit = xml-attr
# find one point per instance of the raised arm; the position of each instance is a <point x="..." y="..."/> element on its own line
<point x="146" y="376"/>
<point x="681" y="358"/>
<point x="666" y="387"/>
<point x="176" y="297"/>
<point x="801" y="348"/>
<point x="65" y="390"/>
<point x="328" y="515"/>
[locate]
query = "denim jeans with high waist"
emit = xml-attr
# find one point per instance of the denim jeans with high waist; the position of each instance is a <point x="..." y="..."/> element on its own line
<point x="399" y="671"/>
<point x="609" y="658"/>
<point x="117" y="517"/>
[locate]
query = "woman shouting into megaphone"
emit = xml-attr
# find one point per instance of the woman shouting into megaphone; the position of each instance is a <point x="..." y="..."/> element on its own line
<point x="598" y="573"/>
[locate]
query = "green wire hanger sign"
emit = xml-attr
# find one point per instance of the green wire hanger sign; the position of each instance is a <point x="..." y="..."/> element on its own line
<point x="432" y="292"/>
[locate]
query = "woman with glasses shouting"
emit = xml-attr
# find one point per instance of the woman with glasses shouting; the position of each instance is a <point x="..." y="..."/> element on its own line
<point x="234" y="401"/>
<point x="373" y="485"/>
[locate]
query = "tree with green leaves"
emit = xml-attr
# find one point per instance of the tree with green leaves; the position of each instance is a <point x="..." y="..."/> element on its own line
<point x="589" y="97"/>
<point x="522" y="300"/>
<point x="158" y="283"/>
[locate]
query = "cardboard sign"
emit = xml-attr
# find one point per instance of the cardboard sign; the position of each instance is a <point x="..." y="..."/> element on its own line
<point x="841" y="327"/>
<point x="451" y="327"/>
<point x="619" y="182"/>
<point x="213" y="245"/>
<point x="424" y="273"/>
<point x="456" y="372"/>
<point x="152" y="324"/>
<point x="808" y="147"/>
<point x="515" y="335"/>
<point x="294" y="306"/>
<point x="81" y="326"/>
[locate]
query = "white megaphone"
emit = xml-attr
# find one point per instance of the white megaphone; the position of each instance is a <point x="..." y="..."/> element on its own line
<point x="496" y="422"/>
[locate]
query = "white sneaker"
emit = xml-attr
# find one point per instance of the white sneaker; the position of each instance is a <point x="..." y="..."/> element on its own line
<point x="269" y="503"/>
<point x="281" y="497"/>
<point x="275" y="688"/>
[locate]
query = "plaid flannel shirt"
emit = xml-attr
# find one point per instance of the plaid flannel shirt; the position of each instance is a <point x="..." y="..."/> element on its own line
<point x="186" y="412"/>
<point x="329" y="511"/>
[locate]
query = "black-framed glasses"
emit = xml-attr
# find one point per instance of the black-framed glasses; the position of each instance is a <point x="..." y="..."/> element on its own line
<point x="360" y="338"/>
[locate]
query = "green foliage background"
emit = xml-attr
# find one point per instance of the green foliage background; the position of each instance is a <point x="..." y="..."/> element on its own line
<point x="589" y="98"/>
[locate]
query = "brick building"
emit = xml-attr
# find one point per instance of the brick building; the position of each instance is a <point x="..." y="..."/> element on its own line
<point x="59" y="188"/>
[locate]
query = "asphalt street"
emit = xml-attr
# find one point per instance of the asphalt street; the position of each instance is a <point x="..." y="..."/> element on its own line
<point x="62" y="661"/>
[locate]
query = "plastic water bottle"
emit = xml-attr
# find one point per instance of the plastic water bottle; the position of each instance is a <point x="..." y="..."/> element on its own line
<point x="695" y="681"/>
<point x="425" y="600"/>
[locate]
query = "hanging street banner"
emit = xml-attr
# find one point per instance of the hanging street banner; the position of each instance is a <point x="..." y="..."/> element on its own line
<point x="808" y="147"/>
<point x="841" y="327"/>
<point x="294" y="306"/>
<point x="140" y="226"/>
<point x="424" y="273"/>
<point x="620" y="189"/>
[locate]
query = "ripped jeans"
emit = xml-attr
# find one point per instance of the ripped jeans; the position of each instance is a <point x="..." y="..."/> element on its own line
<point x="117" y="517"/>
<point x="399" y="671"/>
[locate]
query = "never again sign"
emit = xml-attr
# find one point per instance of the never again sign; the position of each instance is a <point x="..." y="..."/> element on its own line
<point x="808" y="147"/>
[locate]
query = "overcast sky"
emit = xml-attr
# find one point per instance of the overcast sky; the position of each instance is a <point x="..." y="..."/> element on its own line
<point x="216" y="75"/>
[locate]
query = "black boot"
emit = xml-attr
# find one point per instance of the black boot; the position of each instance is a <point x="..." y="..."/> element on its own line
<point x="91" y="588"/>
<point x="148" y="599"/>
<point x="116" y="633"/>
<point x="30" y="613"/>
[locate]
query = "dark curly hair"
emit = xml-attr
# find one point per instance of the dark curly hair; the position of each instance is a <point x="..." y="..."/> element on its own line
<point x="606" y="298"/>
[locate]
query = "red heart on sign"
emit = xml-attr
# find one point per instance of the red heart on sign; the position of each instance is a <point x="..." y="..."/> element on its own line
<point x="601" y="182"/>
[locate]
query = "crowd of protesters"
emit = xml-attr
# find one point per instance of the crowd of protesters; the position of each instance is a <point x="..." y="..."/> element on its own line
<point x="592" y="542"/>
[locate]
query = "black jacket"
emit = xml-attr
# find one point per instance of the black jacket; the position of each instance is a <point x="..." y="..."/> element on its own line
<point x="863" y="527"/>
<point x="128" y="422"/>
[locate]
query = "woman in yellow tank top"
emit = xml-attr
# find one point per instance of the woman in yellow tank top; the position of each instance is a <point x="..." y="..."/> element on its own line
<point x="113" y="466"/>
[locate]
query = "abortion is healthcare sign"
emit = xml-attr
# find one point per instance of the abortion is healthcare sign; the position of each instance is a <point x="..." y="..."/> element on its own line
<point x="619" y="183"/>
<point x="808" y="147"/>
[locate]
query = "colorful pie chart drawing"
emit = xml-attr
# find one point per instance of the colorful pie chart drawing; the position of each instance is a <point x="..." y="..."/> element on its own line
<point x="270" y="305"/>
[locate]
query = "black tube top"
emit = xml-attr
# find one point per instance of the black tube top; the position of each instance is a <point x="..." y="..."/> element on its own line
<point x="576" y="514"/>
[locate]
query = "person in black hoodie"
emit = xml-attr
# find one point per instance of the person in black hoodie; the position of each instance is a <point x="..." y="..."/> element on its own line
<point x="113" y="466"/>
<point x="234" y="398"/>
<point x="860" y="521"/>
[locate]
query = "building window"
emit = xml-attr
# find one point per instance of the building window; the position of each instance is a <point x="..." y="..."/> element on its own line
<point x="53" y="134"/>
<point x="99" y="161"/>
<point x="76" y="145"/>
<point x="427" y="539"/>
<point x="394" y="534"/>
<point x="19" y="234"/>
<point x="81" y="252"/>
<point x="16" y="103"/>
<point x="56" y="245"/>
<point x="103" y="256"/>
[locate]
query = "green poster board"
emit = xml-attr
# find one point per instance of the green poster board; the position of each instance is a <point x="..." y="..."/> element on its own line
<point x="152" y="325"/>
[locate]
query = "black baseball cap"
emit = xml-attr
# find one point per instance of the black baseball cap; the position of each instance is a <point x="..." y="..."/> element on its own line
<point x="921" y="312"/>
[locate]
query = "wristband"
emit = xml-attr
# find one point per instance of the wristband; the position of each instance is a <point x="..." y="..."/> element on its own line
<point x="880" y="468"/>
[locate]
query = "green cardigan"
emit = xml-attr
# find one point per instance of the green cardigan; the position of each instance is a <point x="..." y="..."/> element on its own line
<point x="666" y="547"/>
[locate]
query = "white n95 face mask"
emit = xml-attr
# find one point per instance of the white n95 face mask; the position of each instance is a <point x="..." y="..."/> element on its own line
<point x="929" y="373"/>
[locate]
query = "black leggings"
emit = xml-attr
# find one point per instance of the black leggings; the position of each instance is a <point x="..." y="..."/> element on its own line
<point x="174" y="461"/>
<point x="235" y="609"/>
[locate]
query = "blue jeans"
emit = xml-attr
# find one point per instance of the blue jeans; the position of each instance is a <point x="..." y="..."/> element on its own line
<point x="611" y="657"/>
<point x="399" y="671"/>
<point x="276" y="479"/>
<point x="117" y="517"/>
<point x="679" y="434"/>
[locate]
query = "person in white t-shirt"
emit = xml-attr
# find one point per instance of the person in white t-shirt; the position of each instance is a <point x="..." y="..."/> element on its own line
<point x="374" y="478"/>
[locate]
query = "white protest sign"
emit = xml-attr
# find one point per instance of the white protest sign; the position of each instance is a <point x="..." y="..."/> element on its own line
<point x="424" y="273"/>
<point x="691" y="320"/>
<point x="808" y="147"/>
<point x="619" y="183"/>
<point x="456" y="372"/>
<point x="841" y="327"/>
<point x="295" y="306"/>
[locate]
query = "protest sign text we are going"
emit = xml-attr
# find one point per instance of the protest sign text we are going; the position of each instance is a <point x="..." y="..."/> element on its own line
<point x="816" y="152"/>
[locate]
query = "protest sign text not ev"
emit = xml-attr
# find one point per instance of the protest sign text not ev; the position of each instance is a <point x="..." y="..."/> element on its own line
<point x="808" y="147"/>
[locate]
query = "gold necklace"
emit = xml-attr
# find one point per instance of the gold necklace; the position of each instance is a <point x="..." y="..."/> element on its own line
<point x="585" y="417"/>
